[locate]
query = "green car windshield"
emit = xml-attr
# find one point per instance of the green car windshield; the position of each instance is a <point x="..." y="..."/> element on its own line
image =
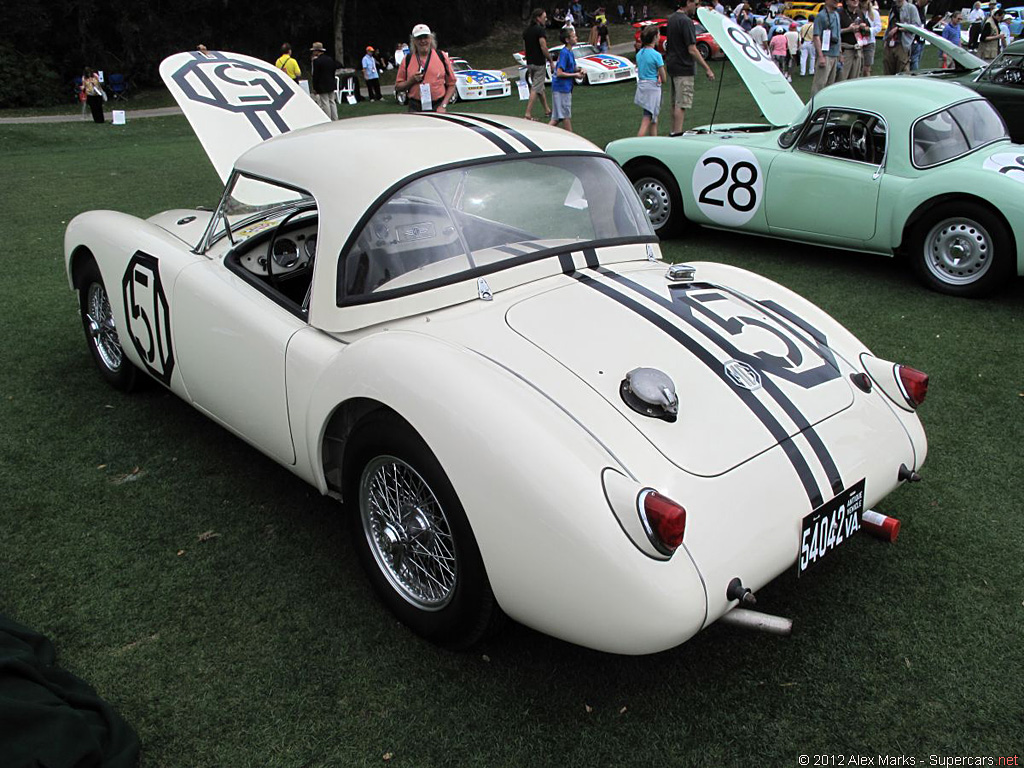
<point x="956" y="131"/>
<point x="477" y="219"/>
<point x="1008" y="69"/>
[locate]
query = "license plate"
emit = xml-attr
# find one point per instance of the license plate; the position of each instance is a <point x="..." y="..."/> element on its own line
<point x="830" y="525"/>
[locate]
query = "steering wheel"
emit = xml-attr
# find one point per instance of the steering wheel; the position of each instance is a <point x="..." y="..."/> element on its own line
<point x="271" y="278"/>
<point x="861" y="146"/>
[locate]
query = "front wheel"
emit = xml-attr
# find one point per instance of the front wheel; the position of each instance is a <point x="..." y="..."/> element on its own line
<point x="704" y="50"/>
<point x="413" y="537"/>
<point x="455" y="97"/>
<point x="100" y="331"/>
<point x="961" y="248"/>
<point x="660" y="196"/>
<point x="402" y="97"/>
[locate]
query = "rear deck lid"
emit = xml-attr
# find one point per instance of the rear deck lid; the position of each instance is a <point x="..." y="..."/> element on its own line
<point x="747" y="375"/>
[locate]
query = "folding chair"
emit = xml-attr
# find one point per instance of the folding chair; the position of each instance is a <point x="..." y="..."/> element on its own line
<point x="118" y="86"/>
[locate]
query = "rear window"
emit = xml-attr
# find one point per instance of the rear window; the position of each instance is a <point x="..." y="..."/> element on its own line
<point x="478" y="219"/>
<point x="956" y="131"/>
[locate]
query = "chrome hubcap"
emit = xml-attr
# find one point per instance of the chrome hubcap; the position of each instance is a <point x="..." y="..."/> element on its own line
<point x="99" y="322"/>
<point x="958" y="251"/>
<point x="408" y="533"/>
<point x="656" y="201"/>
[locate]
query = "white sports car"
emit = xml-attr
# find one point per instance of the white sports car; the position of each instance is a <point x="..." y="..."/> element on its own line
<point x="600" y="68"/>
<point x="472" y="84"/>
<point x="479" y="350"/>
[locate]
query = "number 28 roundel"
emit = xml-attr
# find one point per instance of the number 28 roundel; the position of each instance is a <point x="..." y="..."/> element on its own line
<point x="728" y="185"/>
<point x="148" y="316"/>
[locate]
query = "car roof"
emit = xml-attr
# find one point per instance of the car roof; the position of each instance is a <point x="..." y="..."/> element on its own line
<point x="894" y="95"/>
<point x="325" y="159"/>
<point x="1015" y="47"/>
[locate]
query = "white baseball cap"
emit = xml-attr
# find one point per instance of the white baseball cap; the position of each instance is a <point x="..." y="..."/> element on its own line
<point x="420" y="29"/>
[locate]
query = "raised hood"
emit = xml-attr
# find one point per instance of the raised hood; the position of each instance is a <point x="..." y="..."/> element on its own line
<point x="234" y="102"/>
<point x="964" y="58"/>
<point x="774" y="96"/>
<point x="747" y="375"/>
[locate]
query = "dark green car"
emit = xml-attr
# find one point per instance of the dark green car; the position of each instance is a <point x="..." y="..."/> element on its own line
<point x="1001" y="82"/>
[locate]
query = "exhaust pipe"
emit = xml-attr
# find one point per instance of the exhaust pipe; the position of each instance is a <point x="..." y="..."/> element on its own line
<point x="774" y="625"/>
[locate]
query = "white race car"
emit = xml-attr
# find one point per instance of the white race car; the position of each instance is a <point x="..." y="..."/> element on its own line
<point x="472" y="84"/>
<point x="600" y="68"/>
<point x="480" y="351"/>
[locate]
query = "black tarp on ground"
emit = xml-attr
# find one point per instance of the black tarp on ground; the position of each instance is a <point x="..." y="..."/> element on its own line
<point x="48" y="717"/>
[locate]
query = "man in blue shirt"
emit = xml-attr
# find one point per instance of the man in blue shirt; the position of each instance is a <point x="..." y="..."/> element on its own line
<point x="826" y="46"/>
<point x="951" y="32"/>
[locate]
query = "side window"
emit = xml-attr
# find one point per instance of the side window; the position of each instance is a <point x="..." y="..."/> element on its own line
<point x="809" y="141"/>
<point x="851" y="135"/>
<point x="937" y="138"/>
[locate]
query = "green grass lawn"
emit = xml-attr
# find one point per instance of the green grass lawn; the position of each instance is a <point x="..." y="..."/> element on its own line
<point x="264" y="646"/>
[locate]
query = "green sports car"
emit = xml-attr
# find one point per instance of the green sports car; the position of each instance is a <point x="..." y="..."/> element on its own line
<point x="929" y="164"/>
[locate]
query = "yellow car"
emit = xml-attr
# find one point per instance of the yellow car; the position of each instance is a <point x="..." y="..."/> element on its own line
<point x="800" y="11"/>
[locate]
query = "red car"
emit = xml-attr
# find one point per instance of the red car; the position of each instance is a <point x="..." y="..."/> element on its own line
<point x="705" y="42"/>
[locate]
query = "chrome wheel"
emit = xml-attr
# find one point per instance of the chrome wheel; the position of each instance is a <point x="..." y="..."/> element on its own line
<point x="958" y="251"/>
<point x="408" y="533"/>
<point x="99" y="323"/>
<point x="656" y="199"/>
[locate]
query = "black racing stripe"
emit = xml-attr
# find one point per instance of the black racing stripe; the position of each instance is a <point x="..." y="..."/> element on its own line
<point x="533" y="246"/>
<point x="528" y="143"/>
<point x="565" y="261"/>
<point x="591" y="256"/>
<point x="756" y="407"/>
<point x="492" y="137"/>
<point x="778" y="309"/>
<point x="770" y="387"/>
<point x="512" y="249"/>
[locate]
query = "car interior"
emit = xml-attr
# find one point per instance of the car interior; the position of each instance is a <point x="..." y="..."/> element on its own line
<point x="844" y="134"/>
<point x="281" y="256"/>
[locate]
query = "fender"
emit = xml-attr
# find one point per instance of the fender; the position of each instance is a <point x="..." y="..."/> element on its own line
<point x="550" y="559"/>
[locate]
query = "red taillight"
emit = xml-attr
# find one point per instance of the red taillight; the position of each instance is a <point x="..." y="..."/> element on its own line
<point x="914" y="384"/>
<point x="663" y="519"/>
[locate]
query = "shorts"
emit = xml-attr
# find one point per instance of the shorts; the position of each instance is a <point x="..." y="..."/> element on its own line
<point x="682" y="91"/>
<point x="868" y="52"/>
<point x="536" y="74"/>
<point x="561" y="105"/>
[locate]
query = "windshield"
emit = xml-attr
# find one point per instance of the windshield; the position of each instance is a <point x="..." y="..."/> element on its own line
<point x="956" y="131"/>
<point x="250" y="206"/>
<point x="789" y="135"/>
<point x="1008" y="69"/>
<point x="474" y="220"/>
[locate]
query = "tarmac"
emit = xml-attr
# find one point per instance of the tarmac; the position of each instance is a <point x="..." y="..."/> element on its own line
<point x="132" y="114"/>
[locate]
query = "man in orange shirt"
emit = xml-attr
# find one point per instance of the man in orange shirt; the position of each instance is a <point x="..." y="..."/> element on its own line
<point x="426" y="73"/>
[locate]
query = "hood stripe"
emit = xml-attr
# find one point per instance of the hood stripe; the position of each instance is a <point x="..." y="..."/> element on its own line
<point x="756" y="407"/>
<point x="492" y="137"/>
<point x="522" y="139"/>
<point x="769" y="385"/>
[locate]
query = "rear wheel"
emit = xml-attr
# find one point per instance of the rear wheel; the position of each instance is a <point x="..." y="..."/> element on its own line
<point x="704" y="50"/>
<point x="100" y="331"/>
<point x="961" y="248"/>
<point x="660" y="196"/>
<point x="413" y="536"/>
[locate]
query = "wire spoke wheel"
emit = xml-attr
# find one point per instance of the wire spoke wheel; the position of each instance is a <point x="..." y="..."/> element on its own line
<point x="100" y="326"/>
<point x="408" y="533"/>
<point x="958" y="251"/>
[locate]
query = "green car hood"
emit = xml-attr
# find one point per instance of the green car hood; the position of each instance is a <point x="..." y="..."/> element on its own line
<point x="965" y="59"/>
<point x="774" y="96"/>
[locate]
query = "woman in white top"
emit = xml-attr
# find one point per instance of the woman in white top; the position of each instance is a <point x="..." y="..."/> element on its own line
<point x="874" y="18"/>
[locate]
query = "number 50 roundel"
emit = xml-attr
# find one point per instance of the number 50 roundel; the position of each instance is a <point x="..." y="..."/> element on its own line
<point x="728" y="185"/>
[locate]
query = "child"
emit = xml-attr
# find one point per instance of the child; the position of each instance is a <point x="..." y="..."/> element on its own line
<point x="650" y="74"/>
<point x="565" y="76"/>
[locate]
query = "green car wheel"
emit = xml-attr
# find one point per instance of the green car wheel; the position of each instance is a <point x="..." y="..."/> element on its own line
<point x="660" y="196"/>
<point x="962" y="249"/>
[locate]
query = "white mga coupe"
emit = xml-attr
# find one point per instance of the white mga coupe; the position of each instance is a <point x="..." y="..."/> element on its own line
<point x="478" y="348"/>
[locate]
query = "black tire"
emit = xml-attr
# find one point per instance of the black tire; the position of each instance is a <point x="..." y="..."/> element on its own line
<point x="704" y="50"/>
<point x="962" y="248"/>
<point x="402" y="97"/>
<point x="455" y="97"/>
<point x="453" y="606"/>
<point x="101" y="332"/>
<point x="660" y="196"/>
